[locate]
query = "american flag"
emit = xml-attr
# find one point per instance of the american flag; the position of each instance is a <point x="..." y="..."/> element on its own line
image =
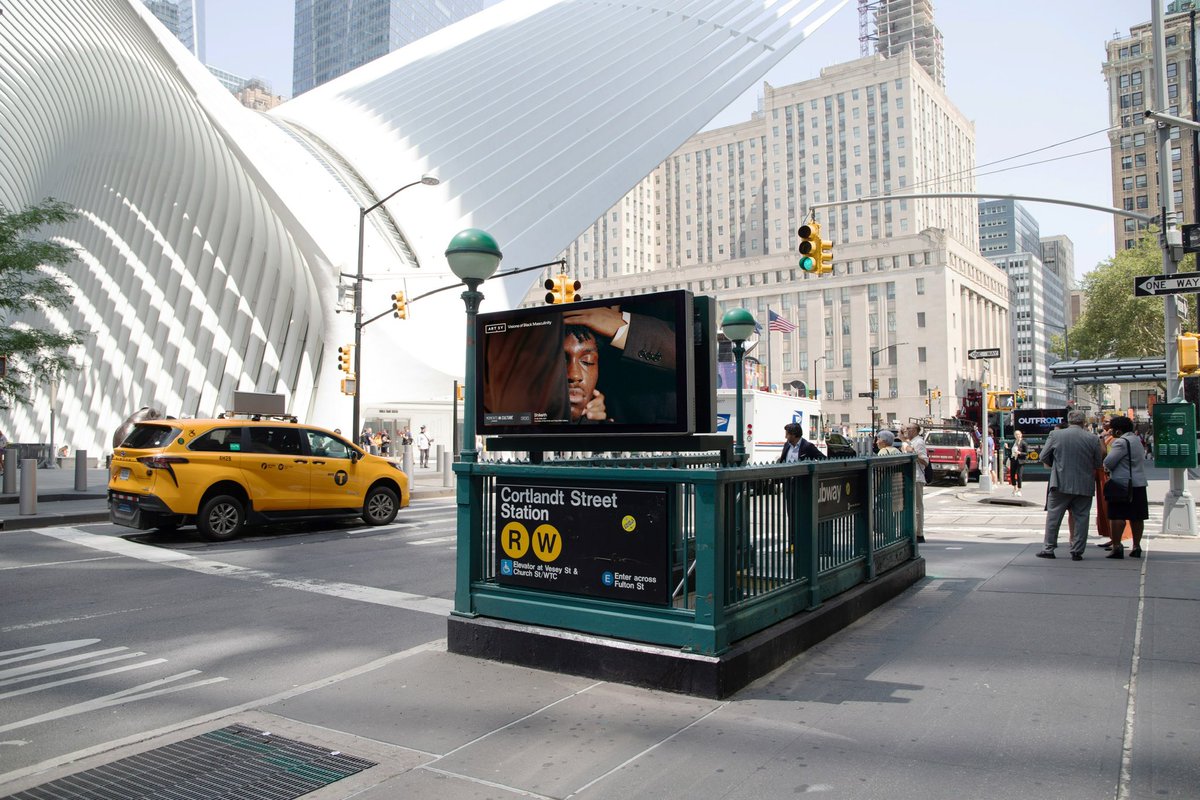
<point x="778" y="323"/>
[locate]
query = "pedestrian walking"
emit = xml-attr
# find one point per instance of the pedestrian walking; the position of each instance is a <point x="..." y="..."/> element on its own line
<point x="424" y="441"/>
<point x="914" y="442"/>
<point x="1125" y="489"/>
<point x="1016" y="461"/>
<point x="1073" y="456"/>
<point x="385" y="444"/>
<point x="1103" y="529"/>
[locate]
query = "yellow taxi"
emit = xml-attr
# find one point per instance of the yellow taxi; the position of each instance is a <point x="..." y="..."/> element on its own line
<point x="225" y="473"/>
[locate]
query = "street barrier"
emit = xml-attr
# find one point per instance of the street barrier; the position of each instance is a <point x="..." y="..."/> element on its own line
<point x="675" y="551"/>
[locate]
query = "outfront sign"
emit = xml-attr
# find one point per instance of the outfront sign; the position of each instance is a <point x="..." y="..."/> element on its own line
<point x="984" y="352"/>
<point x="1156" y="285"/>
<point x="600" y="539"/>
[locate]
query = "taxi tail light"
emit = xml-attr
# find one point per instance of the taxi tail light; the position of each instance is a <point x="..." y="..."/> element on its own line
<point x="164" y="462"/>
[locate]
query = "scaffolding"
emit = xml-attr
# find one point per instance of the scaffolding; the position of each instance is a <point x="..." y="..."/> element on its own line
<point x="898" y="25"/>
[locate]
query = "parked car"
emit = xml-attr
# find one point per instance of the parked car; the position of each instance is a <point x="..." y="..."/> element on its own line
<point x="839" y="446"/>
<point x="952" y="453"/>
<point x="225" y="473"/>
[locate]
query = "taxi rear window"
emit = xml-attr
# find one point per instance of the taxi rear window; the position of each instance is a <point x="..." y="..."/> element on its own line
<point x="145" y="436"/>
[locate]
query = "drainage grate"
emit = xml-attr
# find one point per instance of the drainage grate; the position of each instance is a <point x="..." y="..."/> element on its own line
<point x="230" y="763"/>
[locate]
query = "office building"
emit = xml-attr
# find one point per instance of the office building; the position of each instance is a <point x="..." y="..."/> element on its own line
<point x="1009" y="237"/>
<point x="892" y="26"/>
<point x="333" y="37"/>
<point x="909" y="289"/>
<point x="184" y="19"/>
<point x="1134" y="145"/>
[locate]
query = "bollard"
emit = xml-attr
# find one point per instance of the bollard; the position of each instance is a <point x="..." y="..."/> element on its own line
<point x="406" y="464"/>
<point x="28" y="486"/>
<point x="447" y="471"/>
<point x="12" y="465"/>
<point x="81" y="467"/>
<point x="439" y="453"/>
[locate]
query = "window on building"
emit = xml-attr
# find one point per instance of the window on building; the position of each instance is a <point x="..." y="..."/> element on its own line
<point x="920" y="319"/>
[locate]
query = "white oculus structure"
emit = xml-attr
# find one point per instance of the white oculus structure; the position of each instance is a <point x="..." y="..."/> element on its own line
<point x="213" y="239"/>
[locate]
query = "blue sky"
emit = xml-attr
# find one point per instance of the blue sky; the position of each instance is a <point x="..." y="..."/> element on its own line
<point x="1027" y="73"/>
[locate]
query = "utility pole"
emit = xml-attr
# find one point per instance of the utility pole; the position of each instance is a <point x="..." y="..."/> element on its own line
<point x="1179" y="508"/>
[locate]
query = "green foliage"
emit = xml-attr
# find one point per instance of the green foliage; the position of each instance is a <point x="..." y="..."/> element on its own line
<point x="29" y="283"/>
<point x="1115" y="323"/>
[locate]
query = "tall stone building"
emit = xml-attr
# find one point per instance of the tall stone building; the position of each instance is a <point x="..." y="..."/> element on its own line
<point x="909" y="292"/>
<point x="1129" y="73"/>
<point x="333" y="37"/>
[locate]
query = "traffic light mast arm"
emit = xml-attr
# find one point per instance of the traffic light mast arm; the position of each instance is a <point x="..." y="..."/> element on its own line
<point x="383" y="314"/>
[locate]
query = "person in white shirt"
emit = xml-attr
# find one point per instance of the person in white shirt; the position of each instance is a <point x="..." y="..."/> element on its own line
<point x="914" y="442"/>
<point x="423" y="443"/>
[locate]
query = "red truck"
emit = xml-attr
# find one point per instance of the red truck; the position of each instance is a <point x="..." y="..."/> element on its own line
<point x="953" y="452"/>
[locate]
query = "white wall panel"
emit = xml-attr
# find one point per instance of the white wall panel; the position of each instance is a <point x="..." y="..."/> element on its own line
<point x="211" y="237"/>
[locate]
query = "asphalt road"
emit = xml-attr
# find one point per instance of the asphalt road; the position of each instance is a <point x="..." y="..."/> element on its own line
<point x="105" y="634"/>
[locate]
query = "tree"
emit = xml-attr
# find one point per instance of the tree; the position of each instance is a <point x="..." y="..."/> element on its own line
<point x="31" y="282"/>
<point x="1115" y="323"/>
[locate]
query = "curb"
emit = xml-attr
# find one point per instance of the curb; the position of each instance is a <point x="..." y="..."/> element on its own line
<point x="51" y="519"/>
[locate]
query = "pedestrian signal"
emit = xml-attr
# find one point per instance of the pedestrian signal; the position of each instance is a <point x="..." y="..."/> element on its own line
<point x="1188" y="345"/>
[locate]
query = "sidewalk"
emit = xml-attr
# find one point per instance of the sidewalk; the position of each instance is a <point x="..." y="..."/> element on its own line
<point x="59" y="503"/>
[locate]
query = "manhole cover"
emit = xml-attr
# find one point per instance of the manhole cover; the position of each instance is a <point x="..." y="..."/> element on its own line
<point x="233" y="762"/>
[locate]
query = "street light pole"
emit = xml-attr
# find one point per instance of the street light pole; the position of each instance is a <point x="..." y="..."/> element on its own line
<point x="427" y="180"/>
<point x="473" y="255"/>
<point x="738" y="325"/>
<point x="874" y="391"/>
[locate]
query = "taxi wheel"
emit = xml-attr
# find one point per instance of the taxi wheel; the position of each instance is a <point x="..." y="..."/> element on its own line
<point x="221" y="518"/>
<point x="380" y="506"/>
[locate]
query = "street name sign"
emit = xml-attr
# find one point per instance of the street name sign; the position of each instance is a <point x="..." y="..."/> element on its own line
<point x="1156" y="285"/>
<point x="866" y="394"/>
<point x="984" y="352"/>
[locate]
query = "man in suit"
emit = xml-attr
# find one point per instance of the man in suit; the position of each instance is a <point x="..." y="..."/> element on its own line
<point x="797" y="448"/>
<point x="1073" y="456"/>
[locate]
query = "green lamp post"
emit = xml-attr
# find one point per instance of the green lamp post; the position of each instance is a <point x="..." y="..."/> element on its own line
<point x="473" y="256"/>
<point x="738" y="325"/>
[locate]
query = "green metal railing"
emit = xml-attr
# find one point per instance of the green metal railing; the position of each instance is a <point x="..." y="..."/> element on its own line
<point x="747" y="546"/>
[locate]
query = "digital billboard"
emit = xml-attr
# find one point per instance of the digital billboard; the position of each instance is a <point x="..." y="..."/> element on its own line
<point x="622" y="365"/>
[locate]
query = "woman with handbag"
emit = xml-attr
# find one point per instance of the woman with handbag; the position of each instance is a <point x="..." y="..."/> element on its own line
<point x="1125" y="489"/>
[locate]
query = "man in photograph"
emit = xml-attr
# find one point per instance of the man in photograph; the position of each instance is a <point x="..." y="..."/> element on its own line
<point x="581" y="356"/>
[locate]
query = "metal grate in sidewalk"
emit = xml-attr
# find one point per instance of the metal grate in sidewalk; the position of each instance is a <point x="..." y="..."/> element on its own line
<point x="230" y="763"/>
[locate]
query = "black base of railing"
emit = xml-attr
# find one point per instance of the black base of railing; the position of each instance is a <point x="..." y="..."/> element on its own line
<point x="669" y="669"/>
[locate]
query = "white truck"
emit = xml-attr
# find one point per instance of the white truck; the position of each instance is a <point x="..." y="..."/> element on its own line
<point x="764" y="416"/>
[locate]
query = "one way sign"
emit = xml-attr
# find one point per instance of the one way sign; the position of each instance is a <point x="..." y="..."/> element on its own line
<point x="1156" y="285"/>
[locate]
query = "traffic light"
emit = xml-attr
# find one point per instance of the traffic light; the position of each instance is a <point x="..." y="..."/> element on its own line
<point x="346" y="359"/>
<point x="824" y="257"/>
<point x="1188" y="345"/>
<point x="937" y="394"/>
<point x="1020" y="397"/>
<point x="561" y="289"/>
<point x="810" y="247"/>
<point x="874" y="385"/>
<point x="399" y="306"/>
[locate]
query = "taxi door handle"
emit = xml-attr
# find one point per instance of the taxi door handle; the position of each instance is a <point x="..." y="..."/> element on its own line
<point x="302" y="461"/>
<point x="322" y="463"/>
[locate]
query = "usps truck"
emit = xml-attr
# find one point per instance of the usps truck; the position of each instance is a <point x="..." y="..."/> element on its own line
<point x="764" y="416"/>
